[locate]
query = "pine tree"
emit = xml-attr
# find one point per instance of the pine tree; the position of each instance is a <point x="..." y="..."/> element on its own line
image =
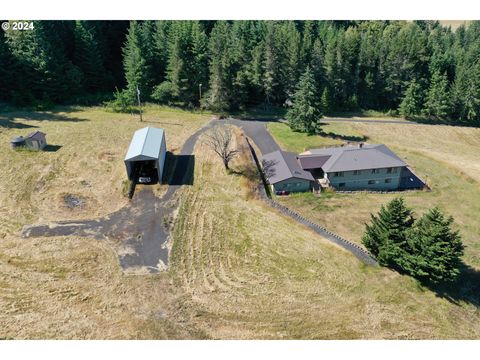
<point x="88" y="57"/>
<point x="326" y="100"/>
<point x="386" y="236"/>
<point x="436" y="248"/>
<point x="412" y="101"/>
<point x="220" y="89"/>
<point x="187" y="62"/>
<point x="45" y="69"/>
<point x="7" y="70"/>
<point x="135" y="64"/>
<point x="305" y="113"/>
<point x="271" y="66"/>
<point x="438" y="104"/>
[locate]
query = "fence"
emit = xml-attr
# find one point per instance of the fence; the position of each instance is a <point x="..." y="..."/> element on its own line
<point x="355" y="249"/>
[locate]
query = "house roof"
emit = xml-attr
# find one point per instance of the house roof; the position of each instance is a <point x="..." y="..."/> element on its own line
<point x="282" y="165"/>
<point x="146" y="144"/>
<point x="37" y="135"/>
<point x="348" y="158"/>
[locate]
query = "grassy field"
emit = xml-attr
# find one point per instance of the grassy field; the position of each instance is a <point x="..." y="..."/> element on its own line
<point x="238" y="268"/>
<point x="72" y="287"/>
<point x="249" y="272"/>
<point x="447" y="157"/>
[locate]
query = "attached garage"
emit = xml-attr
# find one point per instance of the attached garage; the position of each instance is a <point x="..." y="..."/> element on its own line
<point x="283" y="172"/>
<point x="147" y="151"/>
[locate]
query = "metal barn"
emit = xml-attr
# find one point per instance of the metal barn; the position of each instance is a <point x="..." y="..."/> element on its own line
<point x="148" y="146"/>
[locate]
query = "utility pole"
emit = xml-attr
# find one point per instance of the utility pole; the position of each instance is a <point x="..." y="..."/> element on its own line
<point x="200" y="92"/>
<point x="139" y="103"/>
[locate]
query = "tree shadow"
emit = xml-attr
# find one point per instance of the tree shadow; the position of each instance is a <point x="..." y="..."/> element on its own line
<point x="179" y="169"/>
<point x="353" y="138"/>
<point x="52" y="148"/>
<point x="10" y="123"/>
<point x="465" y="289"/>
<point x="249" y="171"/>
<point x="8" y="119"/>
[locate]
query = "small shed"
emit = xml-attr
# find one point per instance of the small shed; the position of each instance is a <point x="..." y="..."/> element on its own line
<point x="36" y="140"/>
<point x="147" y="148"/>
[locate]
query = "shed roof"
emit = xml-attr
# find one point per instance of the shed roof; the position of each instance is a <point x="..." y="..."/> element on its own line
<point x="38" y="135"/>
<point x="348" y="158"/>
<point x="282" y="165"/>
<point x="146" y="144"/>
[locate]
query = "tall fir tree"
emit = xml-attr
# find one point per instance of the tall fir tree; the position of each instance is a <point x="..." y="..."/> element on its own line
<point x="187" y="62"/>
<point x="436" y="248"/>
<point x="220" y="90"/>
<point x="135" y="64"/>
<point x="438" y="103"/>
<point x="411" y="104"/>
<point x="89" y="58"/>
<point x="385" y="237"/>
<point x="305" y="114"/>
<point x="46" y="71"/>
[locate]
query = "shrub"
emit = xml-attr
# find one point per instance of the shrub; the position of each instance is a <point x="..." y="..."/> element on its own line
<point x="121" y="103"/>
<point x="163" y="93"/>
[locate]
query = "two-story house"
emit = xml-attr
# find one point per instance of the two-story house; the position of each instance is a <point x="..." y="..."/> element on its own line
<point x="359" y="167"/>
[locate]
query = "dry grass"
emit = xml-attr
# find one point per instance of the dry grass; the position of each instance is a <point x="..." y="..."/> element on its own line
<point x="447" y="157"/>
<point x="88" y="164"/>
<point x="72" y="287"/>
<point x="249" y="272"/>
<point x="239" y="269"/>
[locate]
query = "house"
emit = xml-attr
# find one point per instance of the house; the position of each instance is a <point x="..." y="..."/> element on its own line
<point x="36" y="141"/>
<point x="147" y="152"/>
<point x="358" y="167"/>
<point x="284" y="173"/>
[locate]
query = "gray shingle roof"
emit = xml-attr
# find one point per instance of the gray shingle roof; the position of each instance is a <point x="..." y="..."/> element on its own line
<point x="282" y="165"/>
<point x="350" y="158"/>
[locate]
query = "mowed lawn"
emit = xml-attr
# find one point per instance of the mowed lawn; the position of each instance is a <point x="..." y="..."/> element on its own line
<point x="447" y="157"/>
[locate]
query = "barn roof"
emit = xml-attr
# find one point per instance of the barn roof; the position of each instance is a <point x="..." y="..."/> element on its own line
<point x="348" y="158"/>
<point x="282" y="165"/>
<point x="146" y="144"/>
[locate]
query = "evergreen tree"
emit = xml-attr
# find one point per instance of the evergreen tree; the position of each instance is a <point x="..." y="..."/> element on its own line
<point x="136" y="67"/>
<point x="436" y="248"/>
<point x="438" y="102"/>
<point x="220" y="90"/>
<point x="187" y="62"/>
<point x="46" y="73"/>
<point x="386" y="236"/>
<point x="305" y="113"/>
<point x="88" y="57"/>
<point x="326" y="100"/>
<point x="7" y="70"/>
<point x="412" y="101"/>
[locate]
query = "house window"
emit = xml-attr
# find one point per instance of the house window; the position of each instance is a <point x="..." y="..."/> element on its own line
<point x="357" y="172"/>
<point x="388" y="181"/>
<point x="389" y="171"/>
<point x="375" y="171"/>
<point x="371" y="182"/>
<point x="338" y="174"/>
<point x="341" y="185"/>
